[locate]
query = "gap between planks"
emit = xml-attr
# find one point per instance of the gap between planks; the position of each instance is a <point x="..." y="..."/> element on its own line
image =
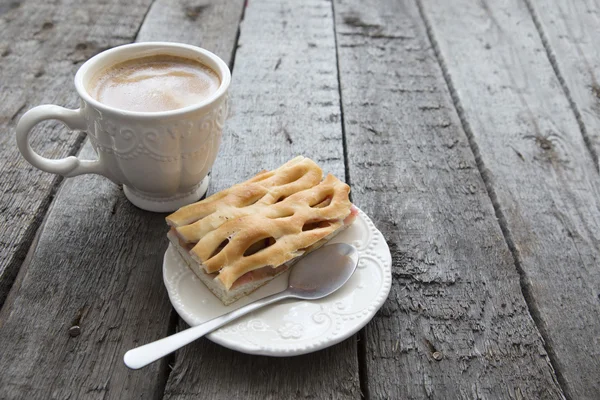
<point x="137" y="33"/>
<point x="344" y="144"/>
<point x="169" y="360"/>
<point x="552" y="58"/>
<point x="532" y="306"/>
<point x="36" y="226"/>
<point x="361" y="340"/>
<point x="237" y="37"/>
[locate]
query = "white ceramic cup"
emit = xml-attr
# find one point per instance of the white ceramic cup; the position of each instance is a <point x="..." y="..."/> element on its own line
<point x="163" y="159"/>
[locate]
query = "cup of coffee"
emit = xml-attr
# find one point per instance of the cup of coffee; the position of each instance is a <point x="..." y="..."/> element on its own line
<point x="154" y="113"/>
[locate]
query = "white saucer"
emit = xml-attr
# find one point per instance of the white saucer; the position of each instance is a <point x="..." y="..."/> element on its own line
<point x="291" y="327"/>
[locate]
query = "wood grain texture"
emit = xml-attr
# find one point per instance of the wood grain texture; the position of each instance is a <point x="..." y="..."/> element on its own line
<point x="285" y="102"/>
<point x="97" y="265"/>
<point x="41" y="47"/>
<point x="208" y="24"/>
<point x="570" y="31"/>
<point x="284" y="92"/>
<point x="284" y="98"/>
<point x="456" y="325"/>
<point x="539" y="173"/>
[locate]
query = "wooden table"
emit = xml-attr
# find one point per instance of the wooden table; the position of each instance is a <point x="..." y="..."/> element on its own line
<point x="468" y="130"/>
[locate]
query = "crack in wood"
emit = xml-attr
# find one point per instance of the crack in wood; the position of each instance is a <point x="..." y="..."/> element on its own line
<point x="287" y="136"/>
<point x="18" y="112"/>
<point x="518" y="153"/>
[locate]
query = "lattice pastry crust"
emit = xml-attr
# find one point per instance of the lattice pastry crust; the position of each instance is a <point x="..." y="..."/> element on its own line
<point x="266" y="221"/>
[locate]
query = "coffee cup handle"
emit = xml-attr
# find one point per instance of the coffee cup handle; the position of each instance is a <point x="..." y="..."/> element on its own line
<point x="69" y="166"/>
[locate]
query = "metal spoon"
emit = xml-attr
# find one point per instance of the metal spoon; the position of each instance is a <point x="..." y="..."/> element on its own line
<point x="317" y="275"/>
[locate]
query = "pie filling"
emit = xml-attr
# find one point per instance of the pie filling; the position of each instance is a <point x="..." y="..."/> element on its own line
<point x="258" y="275"/>
<point x="352" y="216"/>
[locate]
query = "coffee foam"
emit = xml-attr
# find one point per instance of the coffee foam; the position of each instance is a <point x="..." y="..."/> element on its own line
<point x="154" y="84"/>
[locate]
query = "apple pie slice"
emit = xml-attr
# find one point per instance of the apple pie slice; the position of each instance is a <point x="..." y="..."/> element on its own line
<point x="241" y="238"/>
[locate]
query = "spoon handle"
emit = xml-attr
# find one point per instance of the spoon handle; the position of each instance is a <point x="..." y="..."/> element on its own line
<point x="148" y="353"/>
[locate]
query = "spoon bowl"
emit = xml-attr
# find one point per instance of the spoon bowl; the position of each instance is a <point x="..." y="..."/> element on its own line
<point x="315" y="276"/>
<point x="322" y="272"/>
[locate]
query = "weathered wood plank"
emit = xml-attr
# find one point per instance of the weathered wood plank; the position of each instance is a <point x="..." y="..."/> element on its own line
<point x="208" y="24"/>
<point x="570" y="30"/>
<point x="41" y="47"/>
<point x="98" y="265"/>
<point x="456" y="324"/>
<point x="541" y="176"/>
<point x="285" y="102"/>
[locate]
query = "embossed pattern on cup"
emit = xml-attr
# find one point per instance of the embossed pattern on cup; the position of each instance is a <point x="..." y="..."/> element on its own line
<point x="163" y="159"/>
